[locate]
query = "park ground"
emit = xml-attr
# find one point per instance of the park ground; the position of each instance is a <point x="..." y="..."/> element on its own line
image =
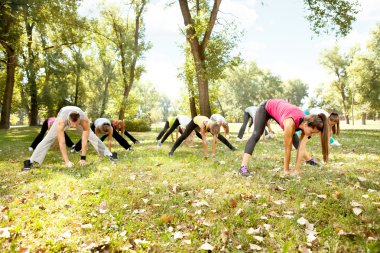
<point x="148" y="202"/>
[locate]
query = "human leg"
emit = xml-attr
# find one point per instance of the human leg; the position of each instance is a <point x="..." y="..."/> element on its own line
<point x="166" y="126"/>
<point x="244" y="125"/>
<point x="40" y="136"/>
<point x="171" y="130"/>
<point x="189" y="128"/>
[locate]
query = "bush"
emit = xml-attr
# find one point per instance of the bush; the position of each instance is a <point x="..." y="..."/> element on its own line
<point x="137" y="125"/>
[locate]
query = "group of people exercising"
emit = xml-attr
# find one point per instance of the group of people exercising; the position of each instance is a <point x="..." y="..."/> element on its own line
<point x="298" y="127"/>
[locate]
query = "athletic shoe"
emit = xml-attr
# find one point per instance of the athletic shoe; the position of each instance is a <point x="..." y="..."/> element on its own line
<point x="27" y="165"/>
<point x="313" y="162"/>
<point x="170" y="153"/>
<point x="113" y="157"/>
<point x="30" y="149"/>
<point x="72" y="150"/>
<point x="238" y="139"/>
<point x="335" y="143"/>
<point x="233" y="148"/>
<point x="269" y="136"/>
<point x="130" y="149"/>
<point x="243" y="171"/>
<point x="159" y="144"/>
<point x="136" y="142"/>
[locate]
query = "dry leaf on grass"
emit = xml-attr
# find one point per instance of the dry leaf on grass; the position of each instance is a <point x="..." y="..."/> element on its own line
<point x="252" y="231"/>
<point x="357" y="210"/>
<point x="103" y="207"/>
<point x="206" y="246"/>
<point x="254" y="247"/>
<point x="355" y="204"/>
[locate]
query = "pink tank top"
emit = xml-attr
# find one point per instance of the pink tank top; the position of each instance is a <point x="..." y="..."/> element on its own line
<point x="280" y="110"/>
<point x="51" y="121"/>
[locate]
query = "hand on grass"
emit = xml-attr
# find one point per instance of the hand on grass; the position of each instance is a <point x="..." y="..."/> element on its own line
<point x="69" y="164"/>
<point x="82" y="162"/>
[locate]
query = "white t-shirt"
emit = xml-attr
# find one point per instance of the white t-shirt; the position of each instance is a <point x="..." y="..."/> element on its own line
<point x="318" y="111"/>
<point x="218" y="118"/>
<point x="183" y="121"/>
<point x="64" y="113"/>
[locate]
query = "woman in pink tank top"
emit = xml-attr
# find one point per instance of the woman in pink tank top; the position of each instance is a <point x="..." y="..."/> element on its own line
<point x="290" y="118"/>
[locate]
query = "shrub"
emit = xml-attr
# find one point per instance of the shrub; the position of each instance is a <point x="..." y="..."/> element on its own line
<point x="137" y="125"/>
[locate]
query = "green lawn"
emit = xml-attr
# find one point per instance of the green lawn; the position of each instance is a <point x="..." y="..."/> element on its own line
<point x="148" y="202"/>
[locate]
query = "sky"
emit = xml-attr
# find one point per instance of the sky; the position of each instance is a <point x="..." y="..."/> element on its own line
<point x="277" y="37"/>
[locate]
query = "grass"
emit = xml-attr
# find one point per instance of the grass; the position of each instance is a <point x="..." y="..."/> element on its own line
<point x="148" y="202"/>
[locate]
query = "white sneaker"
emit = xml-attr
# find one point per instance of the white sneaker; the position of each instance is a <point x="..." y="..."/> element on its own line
<point x="238" y="139"/>
<point x="30" y="149"/>
<point x="336" y="144"/>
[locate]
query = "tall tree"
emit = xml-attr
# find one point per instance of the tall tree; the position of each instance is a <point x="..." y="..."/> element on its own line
<point x="337" y="64"/>
<point x="295" y="91"/>
<point x="323" y="15"/>
<point x="10" y="35"/>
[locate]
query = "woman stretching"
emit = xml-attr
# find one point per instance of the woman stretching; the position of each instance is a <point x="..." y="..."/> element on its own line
<point x="333" y="119"/>
<point x="119" y="125"/>
<point x="102" y="126"/>
<point x="180" y="123"/>
<point x="205" y="125"/>
<point x="290" y="118"/>
<point x="45" y="127"/>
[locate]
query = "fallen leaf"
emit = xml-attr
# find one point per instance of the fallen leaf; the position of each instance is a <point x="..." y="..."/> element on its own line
<point x="311" y="237"/>
<point x="267" y="226"/>
<point x="86" y="226"/>
<point x="145" y="200"/>
<point x="302" y="221"/>
<point x="232" y="203"/>
<point x="258" y="238"/>
<point x="206" y="246"/>
<point x="4" y="232"/>
<point x="200" y="203"/>
<point x="66" y="235"/>
<point x="279" y="202"/>
<point x="322" y="196"/>
<point x="303" y="249"/>
<point x="357" y="210"/>
<point x="355" y="204"/>
<point x="103" y="207"/>
<point x="252" y="231"/>
<point x="224" y="235"/>
<point x="365" y="196"/>
<point x="178" y="235"/>
<point x="239" y="212"/>
<point x="362" y="179"/>
<point x="209" y="191"/>
<point x="370" y="190"/>
<point x="23" y="250"/>
<point x="188" y="242"/>
<point x="254" y="247"/>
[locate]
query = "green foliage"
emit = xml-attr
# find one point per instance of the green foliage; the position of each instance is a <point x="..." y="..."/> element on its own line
<point x="295" y="91"/>
<point x="335" y="16"/>
<point x="138" y="125"/>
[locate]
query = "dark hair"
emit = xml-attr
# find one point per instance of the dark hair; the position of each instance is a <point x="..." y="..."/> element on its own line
<point x="106" y="127"/>
<point x="320" y="122"/>
<point x="74" y="116"/>
<point x="214" y="128"/>
<point x="335" y="118"/>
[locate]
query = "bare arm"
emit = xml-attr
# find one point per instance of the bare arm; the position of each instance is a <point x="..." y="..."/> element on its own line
<point x="204" y="141"/>
<point x="289" y="129"/>
<point x="110" y="133"/>
<point x="214" y="140"/>
<point x="62" y="143"/>
<point x="85" y="123"/>
<point x="301" y="153"/>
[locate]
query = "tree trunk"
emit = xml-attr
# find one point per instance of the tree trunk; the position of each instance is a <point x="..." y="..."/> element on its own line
<point x="347" y="119"/>
<point x="8" y="90"/>
<point x="31" y="74"/>
<point x="364" y="117"/>
<point x="220" y="106"/>
<point x="105" y="95"/>
<point x="77" y="80"/>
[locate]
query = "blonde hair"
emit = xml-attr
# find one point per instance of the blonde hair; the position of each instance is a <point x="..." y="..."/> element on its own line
<point x="213" y="127"/>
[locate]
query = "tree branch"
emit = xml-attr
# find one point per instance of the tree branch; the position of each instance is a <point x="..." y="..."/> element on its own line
<point x="211" y="23"/>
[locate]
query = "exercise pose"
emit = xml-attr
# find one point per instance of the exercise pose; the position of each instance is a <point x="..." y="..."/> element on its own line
<point x="69" y="116"/>
<point x="205" y="125"/>
<point x="333" y="120"/>
<point x="102" y="126"/>
<point x="223" y="123"/>
<point x="249" y="114"/>
<point x="180" y="123"/>
<point x="119" y="125"/>
<point x="290" y="118"/>
<point x="46" y="125"/>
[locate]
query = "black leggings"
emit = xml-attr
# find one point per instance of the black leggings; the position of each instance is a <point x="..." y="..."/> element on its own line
<point x="172" y="129"/>
<point x="129" y="136"/>
<point x="189" y="128"/>
<point x="115" y="135"/>
<point x="40" y="136"/>
<point x="247" y="117"/>
<point x="166" y="127"/>
<point x="261" y="119"/>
